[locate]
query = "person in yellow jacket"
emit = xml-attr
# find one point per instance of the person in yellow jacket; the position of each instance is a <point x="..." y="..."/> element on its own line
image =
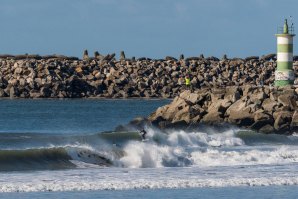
<point x="187" y="82"/>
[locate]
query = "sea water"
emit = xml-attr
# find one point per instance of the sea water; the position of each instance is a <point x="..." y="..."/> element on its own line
<point x="69" y="149"/>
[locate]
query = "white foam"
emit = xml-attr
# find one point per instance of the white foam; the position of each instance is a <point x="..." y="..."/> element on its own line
<point x="216" y="157"/>
<point x="126" y="184"/>
<point x="144" y="155"/>
<point x="180" y="148"/>
<point x="212" y="160"/>
<point x="172" y="149"/>
<point x="183" y="138"/>
<point x="295" y="134"/>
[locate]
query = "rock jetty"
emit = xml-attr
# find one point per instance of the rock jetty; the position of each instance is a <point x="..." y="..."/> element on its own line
<point x="265" y="109"/>
<point x="54" y="76"/>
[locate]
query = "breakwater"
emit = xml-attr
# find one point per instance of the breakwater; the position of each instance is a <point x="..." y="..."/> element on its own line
<point x="265" y="109"/>
<point x="34" y="76"/>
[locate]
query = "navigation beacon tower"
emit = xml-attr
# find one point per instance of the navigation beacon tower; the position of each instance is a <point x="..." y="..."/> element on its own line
<point x="284" y="74"/>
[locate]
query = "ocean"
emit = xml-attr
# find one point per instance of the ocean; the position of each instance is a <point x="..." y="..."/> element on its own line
<point x="69" y="149"/>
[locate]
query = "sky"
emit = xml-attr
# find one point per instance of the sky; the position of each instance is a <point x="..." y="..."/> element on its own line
<point x="143" y="28"/>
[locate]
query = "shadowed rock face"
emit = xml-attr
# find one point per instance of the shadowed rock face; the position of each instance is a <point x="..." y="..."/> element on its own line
<point x="264" y="109"/>
<point x="57" y="76"/>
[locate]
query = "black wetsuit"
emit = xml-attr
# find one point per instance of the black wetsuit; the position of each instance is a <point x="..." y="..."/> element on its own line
<point x="143" y="133"/>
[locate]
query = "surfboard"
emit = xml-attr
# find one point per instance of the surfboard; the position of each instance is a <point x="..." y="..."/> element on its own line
<point x="93" y="158"/>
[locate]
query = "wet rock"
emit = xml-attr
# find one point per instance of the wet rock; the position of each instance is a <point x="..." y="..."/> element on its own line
<point x="282" y="120"/>
<point x="267" y="129"/>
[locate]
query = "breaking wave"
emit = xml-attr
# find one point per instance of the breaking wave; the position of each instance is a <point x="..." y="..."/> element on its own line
<point x="160" y="149"/>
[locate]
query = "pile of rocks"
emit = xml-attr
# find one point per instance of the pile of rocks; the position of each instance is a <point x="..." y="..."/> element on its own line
<point x="34" y="76"/>
<point x="265" y="109"/>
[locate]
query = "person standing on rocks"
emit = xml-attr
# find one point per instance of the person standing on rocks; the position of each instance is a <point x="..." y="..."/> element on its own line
<point x="187" y="82"/>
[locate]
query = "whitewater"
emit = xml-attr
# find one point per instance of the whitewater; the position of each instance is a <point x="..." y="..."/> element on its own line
<point x="44" y="158"/>
<point x="177" y="159"/>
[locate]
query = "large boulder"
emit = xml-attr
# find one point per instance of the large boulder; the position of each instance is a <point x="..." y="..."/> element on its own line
<point x="282" y="120"/>
<point x="213" y="117"/>
<point x="182" y="115"/>
<point x="240" y="113"/>
<point x="269" y="105"/>
<point x="232" y="94"/>
<point x="263" y="122"/>
<point x="78" y="87"/>
<point x="288" y="100"/>
<point x="258" y="96"/>
<point x="217" y="110"/>
<point x="193" y="98"/>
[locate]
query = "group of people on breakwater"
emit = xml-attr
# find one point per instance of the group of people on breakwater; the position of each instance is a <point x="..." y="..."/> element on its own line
<point x="33" y="76"/>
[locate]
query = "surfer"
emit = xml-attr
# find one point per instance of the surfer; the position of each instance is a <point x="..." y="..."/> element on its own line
<point x="143" y="134"/>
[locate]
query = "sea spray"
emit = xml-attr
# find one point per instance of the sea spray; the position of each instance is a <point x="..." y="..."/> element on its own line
<point x="173" y="148"/>
<point x="173" y="159"/>
<point x="215" y="157"/>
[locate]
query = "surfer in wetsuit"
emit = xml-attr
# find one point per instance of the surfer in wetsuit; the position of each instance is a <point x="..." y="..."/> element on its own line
<point x="143" y="134"/>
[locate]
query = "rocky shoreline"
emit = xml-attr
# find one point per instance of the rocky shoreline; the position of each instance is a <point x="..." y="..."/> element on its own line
<point x="34" y="76"/>
<point x="234" y="91"/>
<point x="264" y="109"/>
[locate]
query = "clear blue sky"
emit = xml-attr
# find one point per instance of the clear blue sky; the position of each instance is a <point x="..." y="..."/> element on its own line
<point x="151" y="28"/>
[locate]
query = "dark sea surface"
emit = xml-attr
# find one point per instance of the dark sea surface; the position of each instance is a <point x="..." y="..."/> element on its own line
<point x="71" y="116"/>
<point x="69" y="149"/>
